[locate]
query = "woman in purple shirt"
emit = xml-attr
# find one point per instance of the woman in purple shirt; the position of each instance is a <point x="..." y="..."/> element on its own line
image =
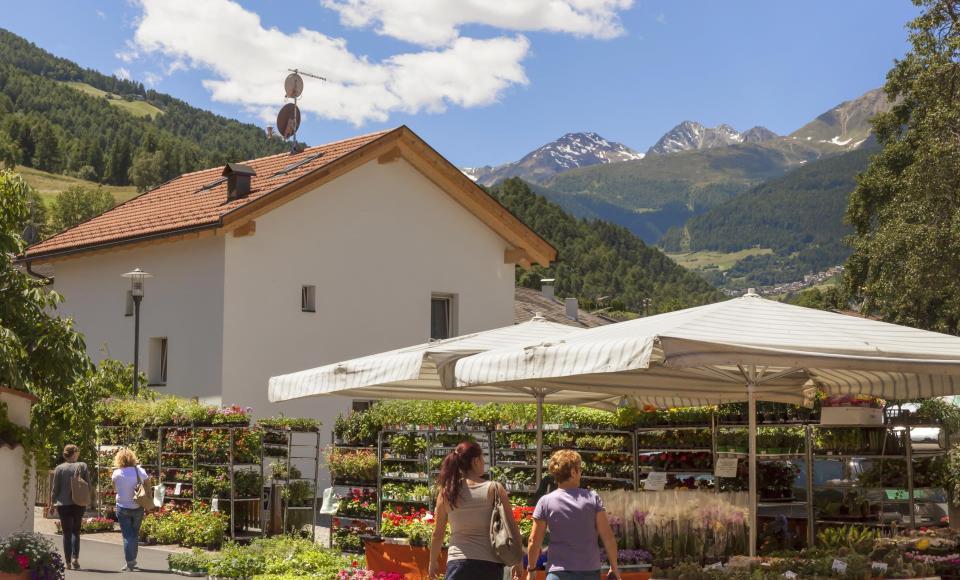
<point x="575" y="517"/>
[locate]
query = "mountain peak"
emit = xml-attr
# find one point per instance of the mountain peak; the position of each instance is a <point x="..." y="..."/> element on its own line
<point x="758" y="134"/>
<point x="848" y="124"/>
<point x="690" y="135"/>
<point x="568" y="152"/>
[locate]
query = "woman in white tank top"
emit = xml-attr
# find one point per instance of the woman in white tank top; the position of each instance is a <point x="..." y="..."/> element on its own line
<point x="466" y="502"/>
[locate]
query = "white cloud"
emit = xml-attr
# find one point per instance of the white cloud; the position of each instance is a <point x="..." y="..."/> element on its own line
<point x="129" y="53"/>
<point x="101" y="15"/>
<point x="248" y="61"/>
<point x="662" y="18"/>
<point x="151" y="79"/>
<point x="122" y="74"/>
<point x="437" y="22"/>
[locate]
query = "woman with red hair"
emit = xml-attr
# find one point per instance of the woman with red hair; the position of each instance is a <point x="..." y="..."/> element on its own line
<point x="466" y="501"/>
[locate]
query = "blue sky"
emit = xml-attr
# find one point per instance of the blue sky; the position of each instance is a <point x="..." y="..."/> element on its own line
<point x="504" y="88"/>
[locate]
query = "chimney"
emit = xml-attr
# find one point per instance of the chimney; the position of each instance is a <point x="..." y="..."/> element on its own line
<point x="546" y="287"/>
<point x="573" y="308"/>
<point x="238" y="179"/>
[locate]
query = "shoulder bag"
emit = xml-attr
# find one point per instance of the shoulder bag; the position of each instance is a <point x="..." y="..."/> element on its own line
<point x="507" y="545"/>
<point x="143" y="494"/>
<point x="79" y="488"/>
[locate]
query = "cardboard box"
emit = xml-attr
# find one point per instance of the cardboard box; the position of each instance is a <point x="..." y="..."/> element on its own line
<point x="851" y="416"/>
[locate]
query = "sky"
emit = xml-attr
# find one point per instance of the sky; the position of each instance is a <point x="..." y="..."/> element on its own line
<point x="487" y="81"/>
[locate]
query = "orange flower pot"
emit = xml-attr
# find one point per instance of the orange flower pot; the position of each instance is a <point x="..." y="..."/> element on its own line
<point x="411" y="561"/>
<point x="25" y="575"/>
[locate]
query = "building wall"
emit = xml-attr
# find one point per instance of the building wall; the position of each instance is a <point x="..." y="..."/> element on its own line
<point x="376" y="243"/>
<point x="183" y="302"/>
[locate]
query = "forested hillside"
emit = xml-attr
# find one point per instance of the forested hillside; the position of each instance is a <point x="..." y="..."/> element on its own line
<point x="663" y="191"/>
<point x="48" y="124"/>
<point x="799" y="216"/>
<point x="596" y="258"/>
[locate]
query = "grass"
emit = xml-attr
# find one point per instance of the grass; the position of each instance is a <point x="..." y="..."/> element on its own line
<point x="136" y="108"/>
<point x="721" y="261"/>
<point x="48" y="185"/>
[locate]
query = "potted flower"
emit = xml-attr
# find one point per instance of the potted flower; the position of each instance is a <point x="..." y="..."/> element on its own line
<point x="25" y="554"/>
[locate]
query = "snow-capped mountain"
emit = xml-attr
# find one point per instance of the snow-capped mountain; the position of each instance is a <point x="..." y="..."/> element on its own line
<point x="847" y="125"/>
<point x="692" y="135"/>
<point x="568" y="152"/>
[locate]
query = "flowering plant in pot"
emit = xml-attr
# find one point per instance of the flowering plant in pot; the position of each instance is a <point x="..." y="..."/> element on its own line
<point x="28" y="555"/>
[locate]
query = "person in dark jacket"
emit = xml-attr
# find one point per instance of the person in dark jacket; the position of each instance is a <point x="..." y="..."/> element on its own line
<point x="61" y="496"/>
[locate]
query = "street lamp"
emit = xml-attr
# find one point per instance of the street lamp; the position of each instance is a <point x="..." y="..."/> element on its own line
<point x="137" y="276"/>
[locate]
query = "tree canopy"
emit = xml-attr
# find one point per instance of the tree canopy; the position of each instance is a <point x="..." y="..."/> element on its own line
<point x="905" y="210"/>
<point x="78" y="204"/>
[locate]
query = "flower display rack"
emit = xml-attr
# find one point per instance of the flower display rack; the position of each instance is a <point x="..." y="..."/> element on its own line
<point x="353" y="485"/>
<point x="217" y="464"/>
<point x="609" y="457"/>
<point x="295" y="470"/>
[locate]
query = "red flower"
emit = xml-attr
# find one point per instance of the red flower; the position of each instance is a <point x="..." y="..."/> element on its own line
<point x="23" y="561"/>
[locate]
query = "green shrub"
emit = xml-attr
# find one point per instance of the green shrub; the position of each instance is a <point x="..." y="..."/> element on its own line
<point x="195" y="561"/>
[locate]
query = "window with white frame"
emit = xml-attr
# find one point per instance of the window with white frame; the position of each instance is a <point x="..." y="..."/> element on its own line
<point x="443" y="316"/>
<point x="308" y="299"/>
<point x="157" y="363"/>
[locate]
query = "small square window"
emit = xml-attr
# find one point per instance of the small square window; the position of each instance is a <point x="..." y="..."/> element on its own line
<point x="308" y="299"/>
<point x="157" y="374"/>
<point x="128" y="307"/>
<point x="359" y="406"/>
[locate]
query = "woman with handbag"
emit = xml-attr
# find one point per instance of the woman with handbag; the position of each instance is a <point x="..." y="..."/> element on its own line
<point x="70" y="493"/>
<point x="575" y="518"/>
<point x="468" y="503"/>
<point x="129" y="480"/>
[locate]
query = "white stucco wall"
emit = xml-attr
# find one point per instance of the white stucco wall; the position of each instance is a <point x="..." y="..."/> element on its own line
<point x="376" y="243"/>
<point x="183" y="302"/>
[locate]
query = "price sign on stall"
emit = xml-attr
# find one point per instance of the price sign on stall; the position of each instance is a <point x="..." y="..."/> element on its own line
<point x="726" y="467"/>
<point x="839" y="566"/>
<point x="656" y="480"/>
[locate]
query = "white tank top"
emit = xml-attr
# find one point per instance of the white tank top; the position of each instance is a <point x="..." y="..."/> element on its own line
<point x="470" y="524"/>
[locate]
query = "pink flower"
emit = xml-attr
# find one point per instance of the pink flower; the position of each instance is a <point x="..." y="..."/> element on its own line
<point x="23" y="561"/>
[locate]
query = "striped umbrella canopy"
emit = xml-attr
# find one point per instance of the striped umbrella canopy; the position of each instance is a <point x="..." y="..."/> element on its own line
<point x="742" y="349"/>
<point x="425" y="372"/>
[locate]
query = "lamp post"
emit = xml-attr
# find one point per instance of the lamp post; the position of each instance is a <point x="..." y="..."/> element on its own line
<point x="137" y="276"/>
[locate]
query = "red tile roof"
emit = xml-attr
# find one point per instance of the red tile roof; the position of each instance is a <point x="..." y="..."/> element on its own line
<point x="192" y="201"/>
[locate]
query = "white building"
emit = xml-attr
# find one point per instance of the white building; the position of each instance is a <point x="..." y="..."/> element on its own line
<point x="342" y="250"/>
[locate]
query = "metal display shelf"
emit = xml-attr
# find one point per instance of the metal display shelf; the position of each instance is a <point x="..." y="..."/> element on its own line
<point x="286" y="460"/>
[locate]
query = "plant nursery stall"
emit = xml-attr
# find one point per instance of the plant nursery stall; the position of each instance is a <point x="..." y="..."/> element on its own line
<point x="221" y="474"/>
<point x="748" y="349"/>
<point x="384" y="464"/>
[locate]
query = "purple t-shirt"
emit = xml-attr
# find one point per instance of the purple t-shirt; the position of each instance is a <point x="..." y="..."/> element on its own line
<point x="571" y="516"/>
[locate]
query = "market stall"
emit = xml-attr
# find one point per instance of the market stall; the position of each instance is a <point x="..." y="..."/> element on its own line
<point x="747" y="348"/>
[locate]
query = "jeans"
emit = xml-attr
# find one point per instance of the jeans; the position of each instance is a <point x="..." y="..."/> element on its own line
<point x="573" y="575"/>
<point x="130" y="520"/>
<point x="473" y="570"/>
<point x="71" y="518"/>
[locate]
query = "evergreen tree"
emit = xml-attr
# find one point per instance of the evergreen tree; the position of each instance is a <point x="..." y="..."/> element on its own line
<point x="906" y="207"/>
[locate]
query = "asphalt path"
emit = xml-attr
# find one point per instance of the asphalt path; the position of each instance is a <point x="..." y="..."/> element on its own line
<point x="100" y="559"/>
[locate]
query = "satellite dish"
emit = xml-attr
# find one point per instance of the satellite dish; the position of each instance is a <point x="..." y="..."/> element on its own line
<point x="293" y="85"/>
<point x="288" y="120"/>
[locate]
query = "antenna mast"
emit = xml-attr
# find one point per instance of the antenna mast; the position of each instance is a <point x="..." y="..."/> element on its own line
<point x="288" y="120"/>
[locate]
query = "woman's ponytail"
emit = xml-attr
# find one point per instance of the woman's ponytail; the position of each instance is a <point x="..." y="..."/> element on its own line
<point x="456" y="465"/>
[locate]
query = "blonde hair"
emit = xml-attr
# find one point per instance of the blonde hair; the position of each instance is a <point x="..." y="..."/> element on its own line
<point x="562" y="463"/>
<point x="125" y="458"/>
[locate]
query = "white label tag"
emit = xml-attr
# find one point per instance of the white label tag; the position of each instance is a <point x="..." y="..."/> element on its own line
<point x="655" y="481"/>
<point x="726" y="467"/>
<point x="879" y="566"/>
<point x="215" y="504"/>
<point x="790" y="575"/>
<point x="714" y="566"/>
<point x="839" y="566"/>
<point x="551" y="426"/>
<point x="178" y="489"/>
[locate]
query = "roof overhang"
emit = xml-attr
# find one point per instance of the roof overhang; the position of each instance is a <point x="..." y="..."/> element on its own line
<point x="527" y="247"/>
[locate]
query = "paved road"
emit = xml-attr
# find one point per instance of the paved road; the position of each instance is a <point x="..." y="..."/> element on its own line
<point x="104" y="560"/>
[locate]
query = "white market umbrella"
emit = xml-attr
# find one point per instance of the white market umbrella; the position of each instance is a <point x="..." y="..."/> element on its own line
<point x="742" y="349"/>
<point x="425" y="372"/>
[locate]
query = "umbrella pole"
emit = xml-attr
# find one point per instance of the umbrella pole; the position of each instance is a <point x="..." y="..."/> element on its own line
<point x="752" y="458"/>
<point x="540" y="396"/>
